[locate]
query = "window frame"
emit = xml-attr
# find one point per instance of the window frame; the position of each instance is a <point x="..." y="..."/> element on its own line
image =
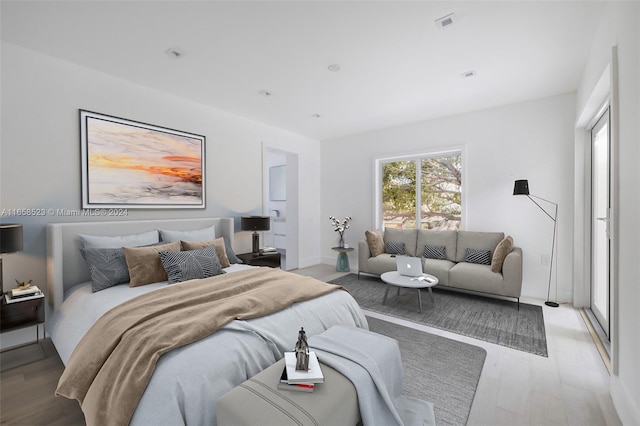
<point x="379" y="161"/>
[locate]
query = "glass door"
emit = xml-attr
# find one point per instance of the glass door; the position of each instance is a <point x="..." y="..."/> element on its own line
<point x="600" y="221"/>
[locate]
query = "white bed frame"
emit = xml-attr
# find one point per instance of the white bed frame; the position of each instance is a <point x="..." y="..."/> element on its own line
<point x="65" y="265"/>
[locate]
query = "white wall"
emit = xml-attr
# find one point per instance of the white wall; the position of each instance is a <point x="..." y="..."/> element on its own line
<point x="531" y="140"/>
<point x="40" y="151"/>
<point x="619" y="27"/>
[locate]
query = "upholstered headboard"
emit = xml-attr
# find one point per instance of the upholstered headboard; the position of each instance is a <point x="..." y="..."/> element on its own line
<point x="65" y="265"/>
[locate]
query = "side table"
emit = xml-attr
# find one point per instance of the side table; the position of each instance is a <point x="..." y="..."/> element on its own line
<point x="342" y="264"/>
<point x="271" y="260"/>
<point x="21" y="314"/>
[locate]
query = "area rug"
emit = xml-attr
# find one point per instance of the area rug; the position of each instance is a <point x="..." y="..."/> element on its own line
<point x="485" y="318"/>
<point x="436" y="369"/>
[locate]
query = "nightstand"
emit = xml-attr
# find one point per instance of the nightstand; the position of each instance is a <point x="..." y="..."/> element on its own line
<point x="21" y="314"/>
<point x="256" y="259"/>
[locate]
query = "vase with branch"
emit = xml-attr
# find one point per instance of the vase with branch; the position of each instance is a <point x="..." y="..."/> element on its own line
<point x="340" y="227"/>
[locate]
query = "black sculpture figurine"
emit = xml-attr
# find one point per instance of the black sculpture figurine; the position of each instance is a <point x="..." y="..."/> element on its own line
<point x="302" y="351"/>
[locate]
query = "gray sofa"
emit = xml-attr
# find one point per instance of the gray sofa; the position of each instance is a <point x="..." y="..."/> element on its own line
<point x="452" y="271"/>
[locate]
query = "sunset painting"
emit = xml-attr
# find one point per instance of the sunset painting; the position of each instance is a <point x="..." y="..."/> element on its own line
<point x="135" y="165"/>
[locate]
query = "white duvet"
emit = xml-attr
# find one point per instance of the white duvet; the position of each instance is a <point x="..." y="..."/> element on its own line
<point x="187" y="381"/>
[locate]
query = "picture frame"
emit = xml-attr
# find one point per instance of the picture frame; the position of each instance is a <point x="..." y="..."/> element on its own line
<point x="134" y="165"/>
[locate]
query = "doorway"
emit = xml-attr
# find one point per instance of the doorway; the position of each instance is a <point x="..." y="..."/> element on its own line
<point x="600" y="303"/>
<point x="280" y="202"/>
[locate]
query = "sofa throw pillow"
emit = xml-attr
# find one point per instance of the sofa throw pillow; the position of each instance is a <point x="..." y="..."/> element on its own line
<point x="107" y="267"/>
<point x="392" y="247"/>
<point x="433" y="252"/>
<point x="190" y="265"/>
<point x="503" y="248"/>
<point x="144" y="263"/>
<point x="482" y="257"/>
<point x="375" y="242"/>
<point x="218" y="244"/>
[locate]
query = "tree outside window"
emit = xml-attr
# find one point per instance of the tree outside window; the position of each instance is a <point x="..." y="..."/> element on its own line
<point x="438" y="192"/>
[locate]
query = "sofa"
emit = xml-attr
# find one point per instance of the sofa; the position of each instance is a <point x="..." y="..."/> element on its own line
<point x="450" y="256"/>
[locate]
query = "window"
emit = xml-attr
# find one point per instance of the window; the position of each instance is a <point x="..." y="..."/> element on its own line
<point x="422" y="191"/>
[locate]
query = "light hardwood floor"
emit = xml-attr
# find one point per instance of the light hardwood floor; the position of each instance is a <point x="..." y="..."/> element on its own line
<point x="570" y="387"/>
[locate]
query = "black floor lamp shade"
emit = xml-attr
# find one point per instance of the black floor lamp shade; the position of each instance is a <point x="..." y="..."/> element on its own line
<point x="521" y="187"/>
<point x="255" y="224"/>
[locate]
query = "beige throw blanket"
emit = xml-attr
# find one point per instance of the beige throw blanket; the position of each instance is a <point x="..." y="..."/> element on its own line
<point x="113" y="363"/>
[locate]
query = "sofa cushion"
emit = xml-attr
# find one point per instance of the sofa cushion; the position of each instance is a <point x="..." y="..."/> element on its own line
<point x="433" y="252"/>
<point x="502" y="250"/>
<point x="471" y="276"/>
<point x="375" y="242"/>
<point x="431" y="237"/>
<point x="438" y="268"/>
<point x="479" y="256"/>
<point x="380" y="264"/>
<point x="406" y="236"/>
<point x="477" y="240"/>
<point x="394" y="247"/>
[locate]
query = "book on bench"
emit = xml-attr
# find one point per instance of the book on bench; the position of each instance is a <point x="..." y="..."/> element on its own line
<point x="313" y="375"/>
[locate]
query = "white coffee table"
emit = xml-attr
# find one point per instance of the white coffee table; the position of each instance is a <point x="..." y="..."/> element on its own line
<point x="393" y="278"/>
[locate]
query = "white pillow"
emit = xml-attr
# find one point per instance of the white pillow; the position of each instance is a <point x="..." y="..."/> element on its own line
<point x="208" y="233"/>
<point x="133" y="240"/>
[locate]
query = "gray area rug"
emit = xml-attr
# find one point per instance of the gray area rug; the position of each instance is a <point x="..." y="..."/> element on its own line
<point x="436" y="369"/>
<point x="485" y="318"/>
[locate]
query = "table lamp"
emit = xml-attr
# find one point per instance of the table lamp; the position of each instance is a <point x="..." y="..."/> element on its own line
<point x="255" y="224"/>
<point x="10" y="242"/>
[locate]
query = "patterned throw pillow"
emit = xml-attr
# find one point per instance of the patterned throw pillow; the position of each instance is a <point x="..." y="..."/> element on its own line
<point x="107" y="267"/>
<point x="394" y="247"/>
<point x="189" y="265"/>
<point x="482" y="257"/>
<point x="433" y="252"/>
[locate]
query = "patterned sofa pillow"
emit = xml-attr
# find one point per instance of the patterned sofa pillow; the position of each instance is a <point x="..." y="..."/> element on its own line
<point x="392" y="247"/>
<point x="482" y="257"/>
<point x="433" y="252"/>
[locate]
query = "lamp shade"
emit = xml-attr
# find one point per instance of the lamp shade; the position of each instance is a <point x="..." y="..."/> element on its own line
<point x="521" y="187"/>
<point x="10" y="237"/>
<point x="255" y="223"/>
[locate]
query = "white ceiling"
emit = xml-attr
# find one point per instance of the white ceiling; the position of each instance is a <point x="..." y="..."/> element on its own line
<point x="396" y="65"/>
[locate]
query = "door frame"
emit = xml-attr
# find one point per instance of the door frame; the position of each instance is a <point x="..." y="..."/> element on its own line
<point x="599" y="120"/>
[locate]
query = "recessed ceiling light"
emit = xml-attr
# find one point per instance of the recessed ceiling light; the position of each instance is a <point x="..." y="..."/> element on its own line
<point x="334" y="67"/>
<point x="445" y="21"/>
<point x="174" y="53"/>
<point x="468" y="74"/>
<point x="316" y="115"/>
<point x="265" y="93"/>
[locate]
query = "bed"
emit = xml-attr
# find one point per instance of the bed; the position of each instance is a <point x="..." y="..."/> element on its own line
<point x="188" y="380"/>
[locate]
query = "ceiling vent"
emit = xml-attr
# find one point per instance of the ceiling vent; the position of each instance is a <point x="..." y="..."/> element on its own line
<point x="265" y="93"/>
<point x="468" y="74"/>
<point x="445" y="21"/>
<point x="174" y="53"/>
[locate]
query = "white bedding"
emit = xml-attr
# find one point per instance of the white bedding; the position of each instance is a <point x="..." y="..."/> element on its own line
<point x="187" y="381"/>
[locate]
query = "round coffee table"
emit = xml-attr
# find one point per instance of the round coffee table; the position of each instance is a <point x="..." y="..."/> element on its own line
<point x="393" y="278"/>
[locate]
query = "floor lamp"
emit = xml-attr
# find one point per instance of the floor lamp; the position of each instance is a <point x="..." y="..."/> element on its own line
<point x="521" y="187"/>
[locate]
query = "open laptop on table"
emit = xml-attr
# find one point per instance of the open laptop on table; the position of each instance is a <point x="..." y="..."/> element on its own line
<point x="409" y="266"/>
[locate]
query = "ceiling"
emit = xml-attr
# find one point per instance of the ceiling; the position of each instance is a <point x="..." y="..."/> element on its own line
<point x="396" y="65"/>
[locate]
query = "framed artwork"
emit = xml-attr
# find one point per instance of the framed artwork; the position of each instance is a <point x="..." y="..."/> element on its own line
<point x="127" y="164"/>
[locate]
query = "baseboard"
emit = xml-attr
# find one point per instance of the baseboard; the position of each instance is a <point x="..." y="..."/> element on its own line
<point x="626" y="406"/>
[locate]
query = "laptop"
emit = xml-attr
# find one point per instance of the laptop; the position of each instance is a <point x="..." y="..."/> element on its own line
<point x="409" y="266"/>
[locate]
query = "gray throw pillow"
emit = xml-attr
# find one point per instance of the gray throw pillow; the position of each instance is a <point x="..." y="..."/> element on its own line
<point x="482" y="257"/>
<point x="189" y="265"/>
<point x="230" y="253"/>
<point x="107" y="267"/>
<point x="433" y="252"/>
<point x="392" y="247"/>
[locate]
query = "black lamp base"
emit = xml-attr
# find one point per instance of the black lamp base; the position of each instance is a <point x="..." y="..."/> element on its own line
<point x="255" y="242"/>
<point x="552" y="304"/>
